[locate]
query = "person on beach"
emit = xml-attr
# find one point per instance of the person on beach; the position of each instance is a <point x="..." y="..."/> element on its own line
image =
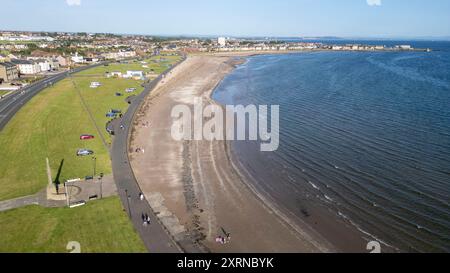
<point x="141" y="196"/>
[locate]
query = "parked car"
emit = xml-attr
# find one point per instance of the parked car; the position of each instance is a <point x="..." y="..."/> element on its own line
<point x="119" y="94"/>
<point x="86" y="137"/>
<point x="84" y="152"/>
<point x="111" y="115"/>
<point x="114" y="111"/>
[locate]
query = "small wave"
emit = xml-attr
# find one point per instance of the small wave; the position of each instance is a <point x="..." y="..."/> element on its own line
<point x="365" y="232"/>
<point x="328" y="198"/>
<point x="314" y="185"/>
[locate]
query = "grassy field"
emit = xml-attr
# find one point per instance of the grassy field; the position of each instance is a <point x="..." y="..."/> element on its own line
<point x="50" y="126"/>
<point x="156" y="64"/>
<point x="100" y="226"/>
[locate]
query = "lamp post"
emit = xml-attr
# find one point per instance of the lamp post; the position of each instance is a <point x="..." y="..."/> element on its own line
<point x="101" y="186"/>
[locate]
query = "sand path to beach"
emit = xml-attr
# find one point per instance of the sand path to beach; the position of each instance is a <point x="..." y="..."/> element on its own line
<point x="193" y="185"/>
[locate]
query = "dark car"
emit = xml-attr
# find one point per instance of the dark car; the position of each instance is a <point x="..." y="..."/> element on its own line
<point x="111" y="115"/>
<point x="114" y="111"/>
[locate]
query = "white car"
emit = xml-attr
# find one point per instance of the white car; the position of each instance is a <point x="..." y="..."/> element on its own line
<point x="84" y="152"/>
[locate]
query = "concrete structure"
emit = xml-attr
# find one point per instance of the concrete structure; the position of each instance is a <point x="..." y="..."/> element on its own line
<point x="8" y="72"/>
<point x="27" y="67"/>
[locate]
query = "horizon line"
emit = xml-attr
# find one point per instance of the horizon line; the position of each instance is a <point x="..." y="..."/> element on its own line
<point x="327" y="37"/>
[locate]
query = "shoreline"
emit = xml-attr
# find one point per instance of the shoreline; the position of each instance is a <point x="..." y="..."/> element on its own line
<point x="198" y="188"/>
<point x="356" y="241"/>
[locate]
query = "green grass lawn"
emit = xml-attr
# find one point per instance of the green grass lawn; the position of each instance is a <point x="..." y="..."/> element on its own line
<point x="50" y="125"/>
<point x="156" y="64"/>
<point x="100" y="226"/>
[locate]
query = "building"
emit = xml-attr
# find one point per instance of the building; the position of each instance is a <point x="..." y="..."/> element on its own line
<point x="63" y="61"/>
<point x="222" y="41"/>
<point x="8" y="72"/>
<point x="77" y="58"/>
<point x="405" y="47"/>
<point x="27" y="67"/>
<point x="44" y="65"/>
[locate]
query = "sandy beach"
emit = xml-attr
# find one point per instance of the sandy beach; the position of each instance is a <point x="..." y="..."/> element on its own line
<point x="195" y="186"/>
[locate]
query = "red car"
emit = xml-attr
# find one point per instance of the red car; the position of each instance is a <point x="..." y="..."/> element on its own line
<point x="86" y="137"/>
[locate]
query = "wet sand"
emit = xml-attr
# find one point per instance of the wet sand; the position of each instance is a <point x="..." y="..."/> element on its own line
<point x="195" y="186"/>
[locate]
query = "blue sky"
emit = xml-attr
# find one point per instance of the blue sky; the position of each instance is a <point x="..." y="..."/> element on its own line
<point x="345" y="18"/>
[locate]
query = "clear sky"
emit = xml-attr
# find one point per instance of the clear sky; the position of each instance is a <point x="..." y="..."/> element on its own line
<point x="345" y="18"/>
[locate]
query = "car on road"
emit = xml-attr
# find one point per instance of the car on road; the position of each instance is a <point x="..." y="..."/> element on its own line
<point x="111" y="115"/>
<point x="86" y="137"/>
<point x="84" y="152"/>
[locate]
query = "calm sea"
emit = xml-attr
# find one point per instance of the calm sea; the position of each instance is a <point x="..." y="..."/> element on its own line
<point x="365" y="134"/>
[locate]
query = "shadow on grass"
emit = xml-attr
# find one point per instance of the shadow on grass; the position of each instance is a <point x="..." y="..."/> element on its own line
<point x="57" y="181"/>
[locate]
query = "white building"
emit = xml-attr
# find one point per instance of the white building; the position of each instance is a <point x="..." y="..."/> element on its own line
<point x="44" y="65"/>
<point x="27" y="67"/>
<point x="77" y="58"/>
<point x="127" y="54"/>
<point x="405" y="47"/>
<point x="222" y="41"/>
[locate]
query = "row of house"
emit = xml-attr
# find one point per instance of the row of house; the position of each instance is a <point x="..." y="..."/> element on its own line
<point x="11" y="70"/>
<point x="30" y="67"/>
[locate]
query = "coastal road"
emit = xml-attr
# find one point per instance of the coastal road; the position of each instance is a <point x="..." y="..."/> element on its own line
<point x="12" y="103"/>
<point x="155" y="237"/>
